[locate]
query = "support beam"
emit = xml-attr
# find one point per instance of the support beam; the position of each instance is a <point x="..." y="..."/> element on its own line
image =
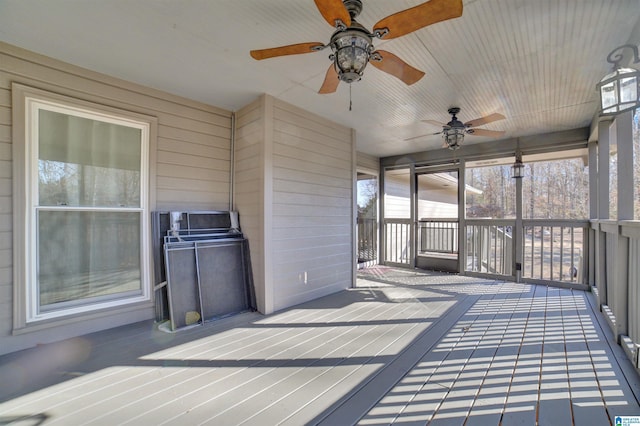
<point x="548" y="142"/>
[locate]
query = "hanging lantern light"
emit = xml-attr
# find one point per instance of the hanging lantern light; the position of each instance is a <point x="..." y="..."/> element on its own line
<point x="517" y="170"/>
<point x="619" y="90"/>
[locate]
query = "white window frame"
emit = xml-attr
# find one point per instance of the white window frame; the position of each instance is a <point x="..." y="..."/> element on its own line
<point x="26" y="301"/>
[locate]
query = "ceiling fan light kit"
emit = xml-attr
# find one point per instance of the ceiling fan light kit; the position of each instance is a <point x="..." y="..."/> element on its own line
<point x="352" y="44"/>
<point x="453" y="138"/>
<point x="351" y="52"/>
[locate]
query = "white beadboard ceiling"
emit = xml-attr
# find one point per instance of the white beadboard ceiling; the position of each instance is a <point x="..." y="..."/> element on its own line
<point x="534" y="61"/>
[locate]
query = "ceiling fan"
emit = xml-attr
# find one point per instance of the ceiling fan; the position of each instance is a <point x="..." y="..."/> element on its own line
<point x="453" y="132"/>
<point x="351" y="44"/>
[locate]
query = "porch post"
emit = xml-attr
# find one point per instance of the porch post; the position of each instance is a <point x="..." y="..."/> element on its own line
<point x="593" y="180"/>
<point x="518" y="233"/>
<point x="624" y="141"/>
<point x="593" y="211"/>
<point x="413" y="187"/>
<point x="603" y="210"/>
<point x="462" y="206"/>
<point x="624" y="138"/>
<point x="604" y="148"/>
<point x="382" y="241"/>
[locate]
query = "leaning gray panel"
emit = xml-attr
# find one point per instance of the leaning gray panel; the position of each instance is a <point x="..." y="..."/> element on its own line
<point x="222" y="278"/>
<point x="182" y="283"/>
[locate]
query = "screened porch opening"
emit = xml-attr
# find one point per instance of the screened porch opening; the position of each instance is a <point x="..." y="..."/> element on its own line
<point x="533" y="229"/>
<point x="367" y="222"/>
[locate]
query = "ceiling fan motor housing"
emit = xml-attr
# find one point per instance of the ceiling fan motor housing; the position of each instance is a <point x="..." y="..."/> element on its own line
<point x="455" y="123"/>
<point x="353" y="6"/>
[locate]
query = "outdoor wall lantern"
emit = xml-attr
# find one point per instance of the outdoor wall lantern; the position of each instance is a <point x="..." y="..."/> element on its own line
<point x="517" y="170"/>
<point x="619" y="90"/>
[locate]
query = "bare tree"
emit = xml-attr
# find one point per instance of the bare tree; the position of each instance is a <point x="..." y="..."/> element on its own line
<point x="554" y="189"/>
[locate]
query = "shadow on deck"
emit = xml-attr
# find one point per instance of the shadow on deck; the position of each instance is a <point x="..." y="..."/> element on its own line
<point x="402" y="347"/>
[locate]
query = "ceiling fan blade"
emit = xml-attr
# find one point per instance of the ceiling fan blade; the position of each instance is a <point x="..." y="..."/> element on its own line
<point x="435" y="123"/>
<point x="332" y="10"/>
<point x="417" y="137"/>
<point x="331" y="81"/>
<point x="422" y="136"/>
<point x="395" y="66"/>
<point x="420" y="16"/>
<point x="485" y="132"/>
<point x="484" y="120"/>
<point x="292" y="49"/>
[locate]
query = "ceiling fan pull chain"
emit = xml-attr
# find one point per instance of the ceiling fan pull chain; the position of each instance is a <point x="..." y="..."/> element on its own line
<point x="350" y="103"/>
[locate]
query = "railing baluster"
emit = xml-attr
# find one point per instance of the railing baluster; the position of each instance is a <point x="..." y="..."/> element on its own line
<point x="478" y="237"/>
<point x="541" y="252"/>
<point x="504" y="250"/>
<point x="551" y="251"/>
<point x="533" y="238"/>
<point x="561" y="252"/>
<point x="573" y="267"/>
<point x="473" y="248"/>
<point x="495" y="249"/>
<point x="395" y="243"/>
<point x="486" y="238"/>
<point x="483" y="230"/>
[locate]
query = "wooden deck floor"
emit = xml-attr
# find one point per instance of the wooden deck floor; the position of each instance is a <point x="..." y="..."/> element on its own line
<point x="402" y="348"/>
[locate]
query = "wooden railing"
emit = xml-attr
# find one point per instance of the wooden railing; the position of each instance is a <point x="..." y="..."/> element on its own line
<point x="438" y="236"/>
<point x="631" y="231"/>
<point x="367" y="239"/>
<point x="397" y="240"/>
<point x="554" y="250"/>
<point x="489" y="246"/>
<point x="617" y="280"/>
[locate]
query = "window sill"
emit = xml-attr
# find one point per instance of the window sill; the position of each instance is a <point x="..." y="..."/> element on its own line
<point x="80" y="318"/>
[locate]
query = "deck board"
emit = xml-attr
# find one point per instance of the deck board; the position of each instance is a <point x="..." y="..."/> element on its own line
<point x="403" y="347"/>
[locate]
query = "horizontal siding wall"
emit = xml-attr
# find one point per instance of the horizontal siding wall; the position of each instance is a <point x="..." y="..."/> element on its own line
<point x="367" y="163"/>
<point x="312" y="206"/>
<point x="193" y="147"/>
<point x="397" y="198"/>
<point x="6" y="218"/>
<point x="191" y="163"/>
<point x="249" y="185"/>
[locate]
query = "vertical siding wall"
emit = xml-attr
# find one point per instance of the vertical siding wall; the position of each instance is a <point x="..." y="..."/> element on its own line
<point x="190" y="166"/>
<point x="297" y="169"/>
